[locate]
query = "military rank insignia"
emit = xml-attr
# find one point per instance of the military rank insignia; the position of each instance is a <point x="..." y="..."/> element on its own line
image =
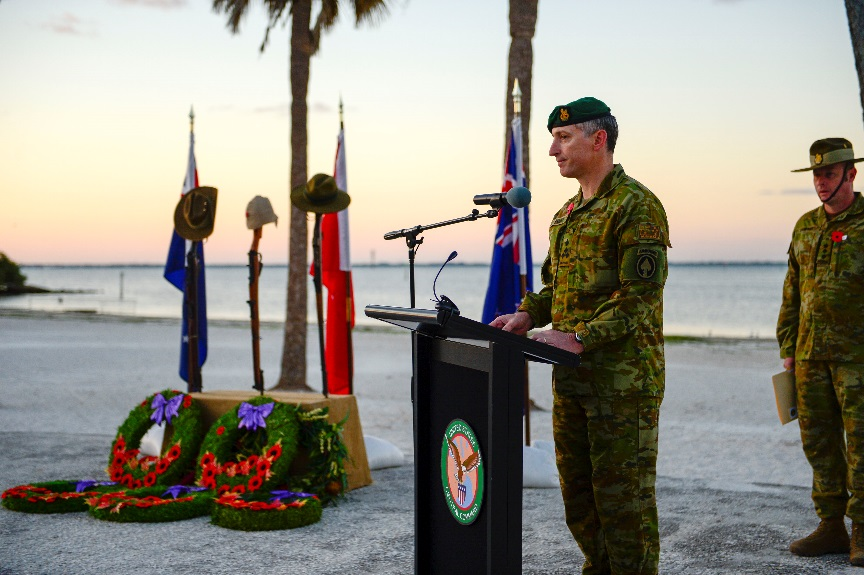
<point x="564" y="115"/>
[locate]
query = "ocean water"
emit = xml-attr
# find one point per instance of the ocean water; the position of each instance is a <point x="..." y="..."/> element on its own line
<point x="725" y="300"/>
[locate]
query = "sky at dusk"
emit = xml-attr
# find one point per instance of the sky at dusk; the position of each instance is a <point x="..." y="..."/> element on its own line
<point x="717" y="100"/>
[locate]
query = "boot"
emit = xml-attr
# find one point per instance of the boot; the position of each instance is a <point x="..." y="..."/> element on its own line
<point x="856" y="555"/>
<point x="829" y="537"/>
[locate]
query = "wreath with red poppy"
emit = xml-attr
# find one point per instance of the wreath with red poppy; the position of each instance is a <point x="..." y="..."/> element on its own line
<point x="265" y="511"/>
<point x="151" y="504"/>
<point x="54" y="496"/>
<point x="250" y="447"/>
<point x="184" y="427"/>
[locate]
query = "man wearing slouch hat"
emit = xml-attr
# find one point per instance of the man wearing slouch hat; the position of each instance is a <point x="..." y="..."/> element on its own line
<point x="603" y="294"/>
<point x="821" y="336"/>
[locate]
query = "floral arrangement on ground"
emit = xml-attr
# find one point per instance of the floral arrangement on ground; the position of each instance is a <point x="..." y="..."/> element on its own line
<point x="62" y="496"/>
<point x="152" y="504"/>
<point x="182" y="417"/>
<point x="266" y="511"/>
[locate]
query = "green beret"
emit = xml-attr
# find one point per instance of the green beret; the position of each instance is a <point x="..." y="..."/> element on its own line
<point x="830" y="151"/>
<point x="581" y="110"/>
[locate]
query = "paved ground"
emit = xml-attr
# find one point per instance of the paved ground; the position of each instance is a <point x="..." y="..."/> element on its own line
<point x="732" y="486"/>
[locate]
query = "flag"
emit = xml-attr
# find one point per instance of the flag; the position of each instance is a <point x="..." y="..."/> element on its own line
<point x="336" y="277"/>
<point x="511" y="254"/>
<point x="175" y="273"/>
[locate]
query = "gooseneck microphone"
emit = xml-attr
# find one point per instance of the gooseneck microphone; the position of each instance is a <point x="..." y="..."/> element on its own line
<point x="444" y="302"/>
<point x="517" y="197"/>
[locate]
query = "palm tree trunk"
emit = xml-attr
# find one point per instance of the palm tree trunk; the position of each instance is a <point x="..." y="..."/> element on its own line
<point x="293" y="376"/>
<point x="855" y="14"/>
<point x="523" y="21"/>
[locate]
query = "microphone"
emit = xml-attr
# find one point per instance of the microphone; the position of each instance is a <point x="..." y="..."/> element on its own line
<point x="518" y="197"/>
<point x="444" y="302"/>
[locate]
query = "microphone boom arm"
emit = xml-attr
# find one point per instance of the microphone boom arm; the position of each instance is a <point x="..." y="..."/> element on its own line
<point x="410" y="235"/>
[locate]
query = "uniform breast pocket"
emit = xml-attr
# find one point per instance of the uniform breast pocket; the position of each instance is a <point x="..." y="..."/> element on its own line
<point x="805" y="249"/>
<point x="849" y="256"/>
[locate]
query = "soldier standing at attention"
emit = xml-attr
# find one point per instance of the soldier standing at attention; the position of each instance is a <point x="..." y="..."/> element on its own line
<point x="821" y="336"/>
<point x="603" y="294"/>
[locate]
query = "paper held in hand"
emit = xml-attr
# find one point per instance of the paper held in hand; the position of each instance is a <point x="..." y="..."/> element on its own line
<point x="784" y="392"/>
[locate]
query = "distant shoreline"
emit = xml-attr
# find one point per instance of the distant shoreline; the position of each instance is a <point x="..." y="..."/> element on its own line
<point x="384" y="265"/>
<point x="90" y="315"/>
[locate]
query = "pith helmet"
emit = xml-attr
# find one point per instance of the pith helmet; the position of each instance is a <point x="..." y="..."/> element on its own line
<point x="320" y="195"/>
<point x="830" y="151"/>
<point x="195" y="213"/>
<point x="259" y="211"/>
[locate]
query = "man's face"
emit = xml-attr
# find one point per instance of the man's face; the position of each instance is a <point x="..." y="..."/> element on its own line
<point x="826" y="179"/>
<point x="572" y="150"/>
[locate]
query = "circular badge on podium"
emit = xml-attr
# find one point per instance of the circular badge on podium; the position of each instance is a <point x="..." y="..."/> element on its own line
<point x="462" y="472"/>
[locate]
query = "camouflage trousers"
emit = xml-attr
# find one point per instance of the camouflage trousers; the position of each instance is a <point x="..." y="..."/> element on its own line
<point x="606" y="451"/>
<point x="831" y="418"/>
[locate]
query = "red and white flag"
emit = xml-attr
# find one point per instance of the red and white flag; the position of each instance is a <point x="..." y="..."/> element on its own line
<point x="336" y="277"/>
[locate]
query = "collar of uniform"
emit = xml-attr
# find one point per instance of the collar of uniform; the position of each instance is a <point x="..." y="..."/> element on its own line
<point x="856" y="208"/>
<point x="609" y="183"/>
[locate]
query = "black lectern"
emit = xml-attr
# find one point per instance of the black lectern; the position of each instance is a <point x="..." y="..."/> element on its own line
<point x="467" y="394"/>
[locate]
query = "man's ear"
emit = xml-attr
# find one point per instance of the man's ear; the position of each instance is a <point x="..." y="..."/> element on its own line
<point x="600" y="140"/>
<point x="851" y="174"/>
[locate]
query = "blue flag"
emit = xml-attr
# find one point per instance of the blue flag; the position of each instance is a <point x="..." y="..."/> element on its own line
<point x="175" y="273"/>
<point x="511" y="254"/>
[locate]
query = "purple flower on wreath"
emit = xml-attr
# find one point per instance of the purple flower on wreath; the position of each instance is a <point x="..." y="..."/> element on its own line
<point x="177" y="490"/>
<point x="252" y="416"/>
<point x="279" y="495"/>
<point x="165" y="409"/>
<point x="86" y="484"/>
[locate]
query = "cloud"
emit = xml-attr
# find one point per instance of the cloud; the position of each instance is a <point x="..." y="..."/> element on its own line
<point x="276" y="109"/>
<point x="69" y="24"/>
<point x="162" y="4"/>
<point x="787" y="192"/>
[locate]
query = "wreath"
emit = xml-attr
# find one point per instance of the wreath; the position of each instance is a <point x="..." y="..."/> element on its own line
<point x="250" y="447"/>
<point x="151" y="504"/>
<point x="324" y="473"/>
<point x="54" y="496"/>
<point x="266" y="511"/>
<point x="184" y="428"/>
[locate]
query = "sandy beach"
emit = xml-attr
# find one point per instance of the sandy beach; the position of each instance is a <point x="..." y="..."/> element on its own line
<point x="732" y="488"/>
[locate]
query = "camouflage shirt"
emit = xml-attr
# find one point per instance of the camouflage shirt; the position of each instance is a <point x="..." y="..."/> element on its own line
<point x="822" y="316"/>
<point x="603" y="279"/>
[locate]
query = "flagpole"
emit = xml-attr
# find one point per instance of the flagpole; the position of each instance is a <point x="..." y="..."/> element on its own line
<point x="348" y="287"/>
<point x="523" y="263"/>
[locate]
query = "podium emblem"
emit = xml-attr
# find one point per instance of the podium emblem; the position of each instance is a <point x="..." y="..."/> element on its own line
<point x="462" y="472"/>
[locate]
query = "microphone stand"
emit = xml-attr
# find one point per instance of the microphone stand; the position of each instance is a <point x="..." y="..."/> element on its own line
<point x="411" y="239"/>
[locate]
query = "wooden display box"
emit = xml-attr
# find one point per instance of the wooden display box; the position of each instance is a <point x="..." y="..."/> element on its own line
<point x="216" y="403"/>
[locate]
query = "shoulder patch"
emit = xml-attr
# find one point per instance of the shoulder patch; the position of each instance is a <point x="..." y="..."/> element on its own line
<point x="648" y="231"/>
<point x="644" y="263"/>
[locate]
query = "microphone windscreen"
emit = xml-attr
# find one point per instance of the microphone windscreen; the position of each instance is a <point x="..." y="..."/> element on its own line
<point x="519" y="197"/>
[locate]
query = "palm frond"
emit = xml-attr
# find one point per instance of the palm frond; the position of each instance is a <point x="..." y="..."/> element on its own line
<point x="370" y="11"/>
<point x="235" y="9"/>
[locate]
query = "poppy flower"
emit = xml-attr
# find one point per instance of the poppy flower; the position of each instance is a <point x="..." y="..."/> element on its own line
<point x="239" y="489"/>
<point x="174" y="452"/>
<point x="127" y="480"/>
<point x="837" y="236"/>
<point x="143" y="504"/>
<point x="138" y="484"/>
<point x="209" y="483"/>
<point x="275" y="451"/>
<point x="207" y="459"/>
<point x="223" y="489"/>
<point x="208" y="472"/>
<point x="187" y="401"/>
<point x="220" y="430"/>
<point x="116" y="473"/>
<point x="255" y="483"/>
<point x="162" y="466"/>
<point x="150" y="479"/>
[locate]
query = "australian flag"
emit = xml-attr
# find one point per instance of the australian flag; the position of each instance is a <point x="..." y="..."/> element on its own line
<point x="511" y="254"/>
<point x="175" y="273"/>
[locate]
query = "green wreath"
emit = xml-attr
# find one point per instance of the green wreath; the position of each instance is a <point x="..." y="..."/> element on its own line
<point x="250" y="447"/>
<point x="151" y="504"/>
<point x="184" y="428"/>
<point x="54" y="496"/>
<point x="266" y="511"/>
<point x="325" y="473"/>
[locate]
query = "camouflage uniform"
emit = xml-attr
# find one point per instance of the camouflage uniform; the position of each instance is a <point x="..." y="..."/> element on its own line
<point x="821" y="325"/>
<point x="603" y="279"/>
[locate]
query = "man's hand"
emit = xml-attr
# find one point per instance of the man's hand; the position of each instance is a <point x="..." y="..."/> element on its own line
<point x="518" y="323"/>
<point x="789" y="364"/>
<point x="559" y="339"/>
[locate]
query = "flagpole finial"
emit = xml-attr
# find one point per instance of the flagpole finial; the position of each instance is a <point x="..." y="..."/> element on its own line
<point x="191" y="119"/>
<point x="517" y="97"/>
<point x="341" y="120"/>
